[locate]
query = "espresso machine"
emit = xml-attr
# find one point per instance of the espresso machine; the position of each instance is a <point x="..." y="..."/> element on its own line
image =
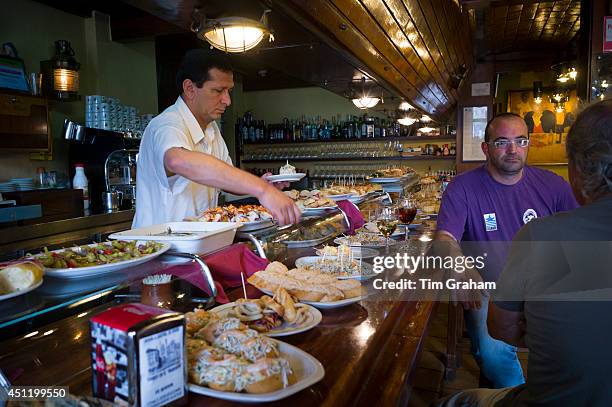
<point x="120" y="180"/>
<point x="94" y="149"/>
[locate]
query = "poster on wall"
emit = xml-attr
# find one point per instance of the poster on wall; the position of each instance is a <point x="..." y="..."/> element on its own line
<point x="474" y="124"/>
<point x="607" y="31"/>
<point x="547" y="123"/>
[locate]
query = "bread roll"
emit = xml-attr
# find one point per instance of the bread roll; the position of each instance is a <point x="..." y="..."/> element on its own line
<point x="268" y="375"/>
<point x="19" y="276"/>
<point x="350" y="288"/>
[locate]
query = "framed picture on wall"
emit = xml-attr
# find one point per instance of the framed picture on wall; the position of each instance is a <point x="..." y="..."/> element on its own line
<point x="548" y="123"/>
<point x="474" y="124"/>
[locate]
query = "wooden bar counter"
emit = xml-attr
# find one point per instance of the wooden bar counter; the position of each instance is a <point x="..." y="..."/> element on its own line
<point x="369" y="351"/>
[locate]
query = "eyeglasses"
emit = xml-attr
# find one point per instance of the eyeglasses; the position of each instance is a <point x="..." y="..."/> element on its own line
<point x="503" y="143"/>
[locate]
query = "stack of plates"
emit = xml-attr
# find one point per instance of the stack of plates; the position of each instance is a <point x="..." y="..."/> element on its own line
<point x="7" y="187"/>
<point x="23" y="184"/>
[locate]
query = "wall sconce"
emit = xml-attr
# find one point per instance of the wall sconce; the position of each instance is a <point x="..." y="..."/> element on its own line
<point x="538" y="92"/>
<point x="231" y="34"/>
<point x="60" y="76"/>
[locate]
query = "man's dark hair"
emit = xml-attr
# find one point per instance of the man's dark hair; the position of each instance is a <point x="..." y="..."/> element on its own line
<point x="589" y="148"/>
<point x="196" y="65"/>
<point x="499" y="116"/>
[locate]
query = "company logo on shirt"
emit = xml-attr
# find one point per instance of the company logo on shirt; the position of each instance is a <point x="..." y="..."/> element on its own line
<point x="529" y="215"/>
<point x="490" y="221"/>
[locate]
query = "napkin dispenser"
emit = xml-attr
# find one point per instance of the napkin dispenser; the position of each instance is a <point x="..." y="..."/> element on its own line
<point x="138" y="356"/>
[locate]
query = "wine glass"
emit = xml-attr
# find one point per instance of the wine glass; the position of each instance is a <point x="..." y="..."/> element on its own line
<point x="386" y="221"/>
<point x="407" y="211"/>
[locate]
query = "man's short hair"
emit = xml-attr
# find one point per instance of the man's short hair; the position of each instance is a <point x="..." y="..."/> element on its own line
<point x="589" y="148"/>
<point x="505" y="115"/>
<point x="196" y="65"/>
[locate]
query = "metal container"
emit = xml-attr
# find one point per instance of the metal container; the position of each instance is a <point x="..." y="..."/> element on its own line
<point x="111" y="201"/>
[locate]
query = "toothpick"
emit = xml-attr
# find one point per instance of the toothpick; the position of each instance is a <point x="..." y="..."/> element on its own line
<point x="243" y="285"/>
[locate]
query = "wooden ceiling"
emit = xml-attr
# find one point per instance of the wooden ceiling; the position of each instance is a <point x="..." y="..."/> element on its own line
<point x="415" y="47"/>
<point x="531" y="26"/>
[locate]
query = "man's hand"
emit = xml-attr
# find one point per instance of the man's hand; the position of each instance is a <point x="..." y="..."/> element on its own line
<point x="283" y="208"/>
<point x="469" y="299"/>
<point x="278" y="185"/>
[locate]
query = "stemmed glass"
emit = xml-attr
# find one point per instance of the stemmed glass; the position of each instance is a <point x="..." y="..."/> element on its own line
<point x="386" y="221"/>
<point x="407" y="212"/>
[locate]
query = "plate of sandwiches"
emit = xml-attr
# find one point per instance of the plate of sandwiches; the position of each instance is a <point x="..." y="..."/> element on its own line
<point x="343" y="267"/>
<point x="309" y="286"/>
<point x="229" y="361"/>
<point x="273" y="316"/>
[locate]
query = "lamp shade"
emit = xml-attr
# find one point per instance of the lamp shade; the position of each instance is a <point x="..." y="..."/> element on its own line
<point x="365" y="102"/>
<point x="234" y="34"/>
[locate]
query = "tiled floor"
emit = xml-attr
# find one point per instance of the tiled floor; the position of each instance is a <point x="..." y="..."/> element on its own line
<point x="428" y="381"/>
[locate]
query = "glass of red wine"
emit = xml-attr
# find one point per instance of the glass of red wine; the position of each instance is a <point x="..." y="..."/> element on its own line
<point x="407" y="211"/>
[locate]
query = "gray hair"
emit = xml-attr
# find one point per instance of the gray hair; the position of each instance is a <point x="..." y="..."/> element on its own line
<point x="589" y="148"/>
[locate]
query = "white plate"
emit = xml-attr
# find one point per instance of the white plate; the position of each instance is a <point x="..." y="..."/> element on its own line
<point x="285" y="329"/>
<point x="344" y="240"/>
<point x="20" y="292"/>
<point x="372" y="228"/>
<point x="358" y="252"/>
<point x="307" y="369"/>
<point x="366" y="269"/>
<point x="256" y="225"/>
<point x="326" y="305"/>
<point x="102" y="269"/>
<point x="385" y="180"/>
<point x="286" y="177"/>
<point x="339" y="197"/>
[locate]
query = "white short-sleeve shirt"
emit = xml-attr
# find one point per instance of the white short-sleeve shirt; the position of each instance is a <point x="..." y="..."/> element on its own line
<point x="160" y="198"/>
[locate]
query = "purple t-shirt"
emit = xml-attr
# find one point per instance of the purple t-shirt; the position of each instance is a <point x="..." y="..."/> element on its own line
<point x="477" y="208"/>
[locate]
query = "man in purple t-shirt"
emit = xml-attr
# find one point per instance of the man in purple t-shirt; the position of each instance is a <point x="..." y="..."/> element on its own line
<point x="490" y="204"/>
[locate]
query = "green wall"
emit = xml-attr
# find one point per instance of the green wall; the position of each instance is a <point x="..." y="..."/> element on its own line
<point x="273" y="105"/>
<point x="126" y="71"/>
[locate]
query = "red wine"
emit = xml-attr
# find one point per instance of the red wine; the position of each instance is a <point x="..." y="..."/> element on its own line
<point x="407" y="215"/>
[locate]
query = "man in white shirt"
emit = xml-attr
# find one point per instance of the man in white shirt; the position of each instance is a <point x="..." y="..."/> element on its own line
<point x="183" y="160"/>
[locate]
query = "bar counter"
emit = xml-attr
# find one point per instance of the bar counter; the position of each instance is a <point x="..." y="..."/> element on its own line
<point x="368" y="349"/>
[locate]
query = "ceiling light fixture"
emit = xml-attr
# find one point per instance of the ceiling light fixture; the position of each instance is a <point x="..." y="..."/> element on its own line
<point x="426" y="129"/>
<point x="408" y="118"/>
<point x="538" y="92"/>
<point x="231" y="34"/>
<point x="405" y="106"/>
<point x="425" y="119"/>
<point x="364" y="100"/>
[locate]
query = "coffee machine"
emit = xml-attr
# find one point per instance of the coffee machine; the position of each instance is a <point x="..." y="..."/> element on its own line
<point x="93" y="149"/>
<point x="120" y="179"/>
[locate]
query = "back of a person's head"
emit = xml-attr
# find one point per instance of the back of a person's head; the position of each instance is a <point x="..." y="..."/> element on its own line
<point x="589" y="148"/>
<point x="196" y="65"/>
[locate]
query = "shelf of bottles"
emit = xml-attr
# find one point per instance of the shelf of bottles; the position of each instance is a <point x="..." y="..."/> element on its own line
<point x="313" y="129"/>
